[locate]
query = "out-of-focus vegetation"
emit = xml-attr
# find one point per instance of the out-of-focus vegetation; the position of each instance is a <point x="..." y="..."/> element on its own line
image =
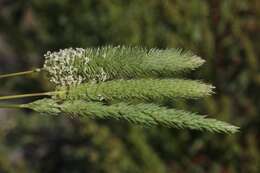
<point x="224" y="32"/>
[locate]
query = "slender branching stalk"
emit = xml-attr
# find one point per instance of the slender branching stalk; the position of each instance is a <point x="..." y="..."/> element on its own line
<point x="11" y="106"/>
<point x="20" y="73"/>
<point x="28" y="95"/>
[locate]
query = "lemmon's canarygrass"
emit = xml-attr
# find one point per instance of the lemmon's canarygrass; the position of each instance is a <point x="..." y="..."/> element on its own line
<point x="143" y="114"/>
<point x="74" y="66"/>
<point x="127" y="83"/>
<point x="139" y="90"/>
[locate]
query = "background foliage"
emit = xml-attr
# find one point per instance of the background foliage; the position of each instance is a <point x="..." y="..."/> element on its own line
<point x="224" y="32"/>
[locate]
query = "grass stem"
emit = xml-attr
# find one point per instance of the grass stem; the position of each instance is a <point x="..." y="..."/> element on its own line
<point x="28" y="95"/>
<point x="20" y="73"/>
<point x="14" y="106"/>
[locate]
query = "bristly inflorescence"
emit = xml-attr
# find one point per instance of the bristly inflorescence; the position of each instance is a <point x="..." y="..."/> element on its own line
<point x="128" y="83"/>
<point x="70" y="67"/>
<point x="142" y="114"/>
<point x="139" y="90"/>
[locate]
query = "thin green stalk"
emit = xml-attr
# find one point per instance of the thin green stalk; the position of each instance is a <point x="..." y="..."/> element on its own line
<point x="20" y="73"/>
<point x="7" y="106"/>
<point x="29" y="95"/>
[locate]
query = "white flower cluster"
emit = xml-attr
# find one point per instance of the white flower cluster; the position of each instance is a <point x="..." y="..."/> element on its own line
<point x="64" y="66"/>
<point x="70" y="67"/>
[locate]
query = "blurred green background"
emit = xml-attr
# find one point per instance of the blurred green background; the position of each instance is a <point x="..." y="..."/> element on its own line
<point x="224" y="32"/>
